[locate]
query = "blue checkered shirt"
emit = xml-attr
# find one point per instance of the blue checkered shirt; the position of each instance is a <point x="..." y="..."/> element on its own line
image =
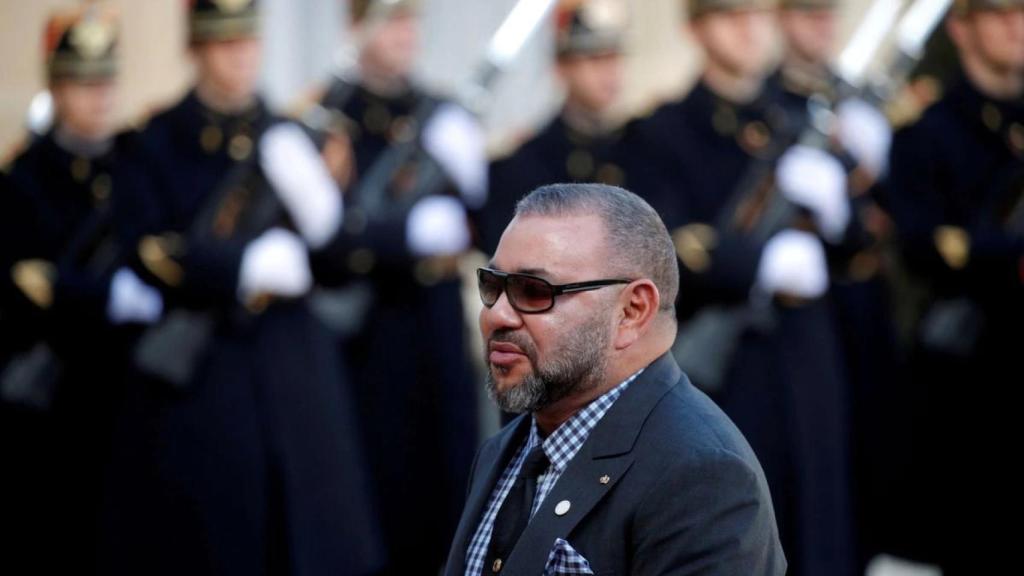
<point x="560" y="448"/>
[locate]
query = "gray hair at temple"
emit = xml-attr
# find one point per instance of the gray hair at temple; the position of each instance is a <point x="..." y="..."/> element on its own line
<point x="639" y="243"/>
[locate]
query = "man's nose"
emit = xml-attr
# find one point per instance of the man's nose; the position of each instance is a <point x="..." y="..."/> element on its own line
<point x="500" y="315"/>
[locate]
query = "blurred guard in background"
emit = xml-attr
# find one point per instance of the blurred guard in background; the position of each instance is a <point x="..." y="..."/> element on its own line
<point x="757" y="330"/>
<point x="63" y="296"/>
<point x="417" y="165"/>
<point x="578" y="145"/>
<point x="858" y="261"/>
<point x="957" y="187"/>
<point x="251" y="464"/>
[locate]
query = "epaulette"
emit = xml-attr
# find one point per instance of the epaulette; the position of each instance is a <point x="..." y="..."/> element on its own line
<point x="12" y="152"/>
<point x="909" y="105"/>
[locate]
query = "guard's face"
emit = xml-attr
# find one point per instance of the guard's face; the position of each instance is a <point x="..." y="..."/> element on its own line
<point x="998" y="36"/>
<point x="536" y="359"/>
<point x="86" y="108"/>
<point x="594" y="82"/>
<point x="744" y="42"/>
<point x="231" y="66"/>
<point x="393" y="46"/>
<point x="810" y="34"/>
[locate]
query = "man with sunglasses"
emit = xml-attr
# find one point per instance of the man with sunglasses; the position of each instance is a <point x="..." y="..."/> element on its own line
<point x="617" y="464"/>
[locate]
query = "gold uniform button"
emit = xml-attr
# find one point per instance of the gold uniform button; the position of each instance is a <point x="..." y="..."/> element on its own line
<point x="991" y="117"/>
<point x="240" y="147"/>
<point x="496" y="567"/>
<point x="1015" y="136"/>
<point x="101" y="188"/>
<point x="755" y="136"/>
<point x="611" y="174"/>
<point x="80" y="169"/>
<point x="724" y="120"/>
<point x="402" y="130"/>
<point x="210" y="139"/>
<point x="377" y="119"/>
<point x="580" y="164"/>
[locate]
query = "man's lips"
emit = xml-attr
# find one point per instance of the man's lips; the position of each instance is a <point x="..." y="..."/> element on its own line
<point x="505" y="353"/>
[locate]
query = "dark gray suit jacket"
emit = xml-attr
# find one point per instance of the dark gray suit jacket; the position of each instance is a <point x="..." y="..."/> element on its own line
<point x="684" y="495"/>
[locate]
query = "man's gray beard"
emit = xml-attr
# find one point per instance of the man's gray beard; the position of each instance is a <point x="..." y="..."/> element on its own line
<point x="581" y="365"/>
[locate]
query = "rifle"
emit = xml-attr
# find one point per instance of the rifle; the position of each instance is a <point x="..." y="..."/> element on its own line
<point x="706" y="344"/>
<point x="172" y="349"/>
<point x="343" y="308"/>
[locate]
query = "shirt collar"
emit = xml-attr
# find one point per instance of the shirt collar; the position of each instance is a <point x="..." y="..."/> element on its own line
<point x="563" y="444"/>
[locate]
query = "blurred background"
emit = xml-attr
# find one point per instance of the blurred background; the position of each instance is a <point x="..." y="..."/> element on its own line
<point x="226" y="353"/>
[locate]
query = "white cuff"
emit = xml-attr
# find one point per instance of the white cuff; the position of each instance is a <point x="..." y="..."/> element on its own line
<point x="793" y="263"/>
<point x="132" y="300"/>
<point x="437" y="227"/>
<point x="277" y="264"/>
<point x="814" y="179"/>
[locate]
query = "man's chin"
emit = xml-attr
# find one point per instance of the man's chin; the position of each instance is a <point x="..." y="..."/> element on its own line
<point x="512" y="393"/>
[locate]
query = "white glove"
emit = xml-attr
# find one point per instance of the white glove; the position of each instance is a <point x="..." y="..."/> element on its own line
<point x="132" y="300"/>
<point x="866" y="134"/>
<point x="815" y="180"/>
<point x="276" y="263"/>
<point x="455" y="140"/>
<point x="793" y="263"/>
<point x="295" y="170"/>
<point x="437" y="227"/>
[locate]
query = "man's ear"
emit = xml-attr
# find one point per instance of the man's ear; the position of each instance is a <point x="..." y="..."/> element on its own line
<point x="638" y="308"/>
<point x="956" y="29"/>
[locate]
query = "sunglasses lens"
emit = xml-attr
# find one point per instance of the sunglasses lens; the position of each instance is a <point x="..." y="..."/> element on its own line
<point x="490" y="287"/>
<point x="530" y="294"/>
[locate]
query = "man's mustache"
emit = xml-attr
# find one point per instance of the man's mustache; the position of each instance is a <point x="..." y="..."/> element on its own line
<point x="516" y="339"/>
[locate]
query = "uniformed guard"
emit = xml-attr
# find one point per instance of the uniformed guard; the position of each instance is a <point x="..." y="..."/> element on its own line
<point x="419" y="165"/>
<point x="577" y="145"/>
<point x="756" y="329"/>
<point x="66" y="298"/>
<point x="859" y="261"/>
<point x="247" y="459"/>
<point x="956" y="182"/>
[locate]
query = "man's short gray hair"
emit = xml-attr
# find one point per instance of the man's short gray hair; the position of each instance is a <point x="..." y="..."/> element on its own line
<point x="638" y="242"/>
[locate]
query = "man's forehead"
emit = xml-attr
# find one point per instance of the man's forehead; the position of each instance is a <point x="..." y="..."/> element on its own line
<point x="550" y="245"/>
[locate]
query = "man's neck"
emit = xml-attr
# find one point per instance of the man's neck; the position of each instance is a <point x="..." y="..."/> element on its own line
<point x="551" y="417"/>
<point x="737" y="89"/>
<point x="804" y="71"/>
<point x="221" y="103"/>
<point x="380" y="82"/>
<point x="85" y="146"/>
<point x="995" y="84"/>
<point x="583" y="119"/>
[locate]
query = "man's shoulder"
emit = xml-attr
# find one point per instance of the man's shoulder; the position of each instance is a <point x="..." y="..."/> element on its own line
<point x="686" y="428"/>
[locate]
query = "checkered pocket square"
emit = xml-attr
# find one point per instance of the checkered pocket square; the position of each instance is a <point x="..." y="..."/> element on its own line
<point x="565" y="560"/>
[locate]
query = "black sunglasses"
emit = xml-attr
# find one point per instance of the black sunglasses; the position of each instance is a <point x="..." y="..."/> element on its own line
<point x="527" y="293"/>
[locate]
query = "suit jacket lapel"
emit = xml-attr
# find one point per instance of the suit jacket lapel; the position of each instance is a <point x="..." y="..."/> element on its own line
<point x="607" y="452"/>
<point x="491" y="462"/>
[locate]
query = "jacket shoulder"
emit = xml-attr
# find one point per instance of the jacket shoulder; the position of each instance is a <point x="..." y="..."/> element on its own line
<point x="688" y="428"/>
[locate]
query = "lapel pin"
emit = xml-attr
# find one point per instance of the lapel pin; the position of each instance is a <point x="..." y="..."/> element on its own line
<point x="562" y="508"/>
<point x="604" y="479"/>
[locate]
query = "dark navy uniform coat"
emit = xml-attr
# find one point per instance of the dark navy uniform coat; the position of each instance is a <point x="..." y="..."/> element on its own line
<point x="256" y="466"/>
<point x="56" y="208"/>
<point x="784" y="386"/>
<point x="956" y="182"/>
<point x="409" y="357"/>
